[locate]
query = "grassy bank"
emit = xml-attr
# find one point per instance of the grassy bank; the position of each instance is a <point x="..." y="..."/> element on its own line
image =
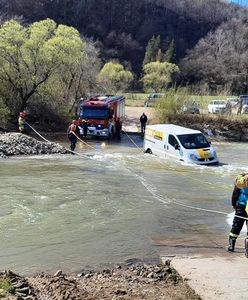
<point x="138" y="99"/>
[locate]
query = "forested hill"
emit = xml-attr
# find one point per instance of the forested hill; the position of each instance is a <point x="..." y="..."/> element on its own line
<point x="123" y="27"/>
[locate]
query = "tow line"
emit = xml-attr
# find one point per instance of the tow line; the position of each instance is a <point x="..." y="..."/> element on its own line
<point x="137" y="176"/>
<point x="175" y="201"/>
<point x="133" y="141"/>
<point x="42" y="137"/>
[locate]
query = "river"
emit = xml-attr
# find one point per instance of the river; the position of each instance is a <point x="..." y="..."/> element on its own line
<point x="112" y="204"/>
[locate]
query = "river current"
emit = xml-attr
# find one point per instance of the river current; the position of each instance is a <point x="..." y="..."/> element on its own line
<point x="110" y="205"/>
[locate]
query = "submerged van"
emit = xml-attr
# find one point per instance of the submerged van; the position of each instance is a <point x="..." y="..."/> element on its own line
<point x="179" y="142"/>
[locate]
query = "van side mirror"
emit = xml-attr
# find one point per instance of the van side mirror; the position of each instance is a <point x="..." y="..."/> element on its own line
<point x="177" y="147"/>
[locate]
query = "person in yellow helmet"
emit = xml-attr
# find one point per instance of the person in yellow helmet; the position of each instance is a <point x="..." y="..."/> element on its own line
<point x="72" y="133"/>
<point x="239" y="203"/>
<point x="21" y="122"/>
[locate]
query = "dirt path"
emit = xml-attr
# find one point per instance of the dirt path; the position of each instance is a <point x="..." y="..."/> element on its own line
<point x="132" y="122"/>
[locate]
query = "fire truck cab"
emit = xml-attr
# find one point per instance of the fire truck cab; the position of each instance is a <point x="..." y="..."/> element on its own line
<point x="104" y="114"/>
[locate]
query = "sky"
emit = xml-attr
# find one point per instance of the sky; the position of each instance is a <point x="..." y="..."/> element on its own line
<point x="241" y="2"/>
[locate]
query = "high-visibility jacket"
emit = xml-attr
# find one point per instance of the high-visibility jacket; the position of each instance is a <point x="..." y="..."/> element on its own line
<point x="243" y="197"/>
<point x="21" y="123"/>
<point x="241" y="181"/>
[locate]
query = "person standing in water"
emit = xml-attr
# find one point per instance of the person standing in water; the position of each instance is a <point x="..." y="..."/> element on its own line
<point x="72" y="133"/>
<point x="21" y="122"/>
<point x="239" y="203"/>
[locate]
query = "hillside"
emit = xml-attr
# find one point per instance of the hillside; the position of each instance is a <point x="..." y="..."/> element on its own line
<point x="123" y="28"/>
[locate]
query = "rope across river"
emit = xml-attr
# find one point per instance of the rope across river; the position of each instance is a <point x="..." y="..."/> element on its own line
<point x="158" y="197"/>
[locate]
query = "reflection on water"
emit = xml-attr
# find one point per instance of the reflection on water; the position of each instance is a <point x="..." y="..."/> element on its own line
<point x="69" y="211"/>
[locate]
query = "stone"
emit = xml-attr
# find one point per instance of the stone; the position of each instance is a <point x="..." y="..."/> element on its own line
<point x="150" y="275"/>
<point x="20" y="144"/>
<point x="58" y="273"/>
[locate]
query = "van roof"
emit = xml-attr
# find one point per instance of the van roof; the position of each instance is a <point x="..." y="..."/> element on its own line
<point x="171" y="128"/>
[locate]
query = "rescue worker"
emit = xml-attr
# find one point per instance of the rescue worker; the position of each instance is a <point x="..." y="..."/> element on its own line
<point x="21" y="122"/>
<point x="143" y="121"/>
<point x="85" y="127"/>
<point x="239" y="203"/>
<point x="72" y="133"/>
<point x="118" y="128"/>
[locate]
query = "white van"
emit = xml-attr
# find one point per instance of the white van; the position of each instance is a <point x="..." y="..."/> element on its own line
<point x="179" y="142"/>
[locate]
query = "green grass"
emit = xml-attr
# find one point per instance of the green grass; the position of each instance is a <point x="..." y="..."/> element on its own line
<point x="5" y="287"/>
<point x="138" y="99"/>
<point x="135" y="103"/>
<point x="136" y="96"/>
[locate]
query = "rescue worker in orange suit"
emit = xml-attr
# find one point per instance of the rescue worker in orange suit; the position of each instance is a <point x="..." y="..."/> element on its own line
<point x="21" y="122"/>
<point x="143" y="121"/>
<point x="72" y="133"/>
<point x="239" y="203"/>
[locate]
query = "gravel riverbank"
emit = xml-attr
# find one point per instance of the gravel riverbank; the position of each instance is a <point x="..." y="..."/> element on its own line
<point x="20" y="144"/>
<point x="133" y="282"/>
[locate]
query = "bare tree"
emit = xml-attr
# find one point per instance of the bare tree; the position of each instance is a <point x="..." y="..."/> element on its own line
<point x="222" y="57"/>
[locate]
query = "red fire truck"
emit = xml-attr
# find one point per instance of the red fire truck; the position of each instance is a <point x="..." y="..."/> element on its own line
<point x="102" y="114"/>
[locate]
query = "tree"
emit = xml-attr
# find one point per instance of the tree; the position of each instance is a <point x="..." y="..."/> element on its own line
<point x="36" y="58"/>
<point x="159" y="75"/>
<point x="220" y="59"/>
<point x="184" y="20"/>
<point x="114" y="77"/>
<point x="152" y="50"/>
<point x="169" y="54"/>
<point x="4" y="113"/>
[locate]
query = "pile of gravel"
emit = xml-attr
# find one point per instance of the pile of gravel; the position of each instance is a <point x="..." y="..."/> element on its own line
<point x="20" y="144"/>
<point x="147" y="282"/>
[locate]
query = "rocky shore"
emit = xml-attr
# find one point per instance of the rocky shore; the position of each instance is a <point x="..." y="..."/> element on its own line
<point x="133" y="282"/>
<point x="20" y="144"/>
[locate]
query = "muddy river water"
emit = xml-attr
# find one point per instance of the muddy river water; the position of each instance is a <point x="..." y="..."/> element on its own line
<point x="112" y="205"/>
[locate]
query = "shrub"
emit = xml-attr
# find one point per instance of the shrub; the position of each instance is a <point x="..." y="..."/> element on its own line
<point x="171" y="103"/>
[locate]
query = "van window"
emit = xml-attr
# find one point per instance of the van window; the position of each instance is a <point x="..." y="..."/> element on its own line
<point x="193" y="141"/>
<point x="172" y="140"/>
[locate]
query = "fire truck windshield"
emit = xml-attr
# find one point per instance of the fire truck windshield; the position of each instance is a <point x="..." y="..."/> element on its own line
<point x="90" y="112"/>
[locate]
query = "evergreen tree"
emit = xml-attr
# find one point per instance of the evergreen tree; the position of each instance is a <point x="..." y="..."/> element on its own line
<point x="160" y="56"/>
<point x="169" y="54"/>
<point x="152" y="49"/>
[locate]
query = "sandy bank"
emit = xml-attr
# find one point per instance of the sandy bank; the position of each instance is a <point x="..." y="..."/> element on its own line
<point x="223" y="278"/>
